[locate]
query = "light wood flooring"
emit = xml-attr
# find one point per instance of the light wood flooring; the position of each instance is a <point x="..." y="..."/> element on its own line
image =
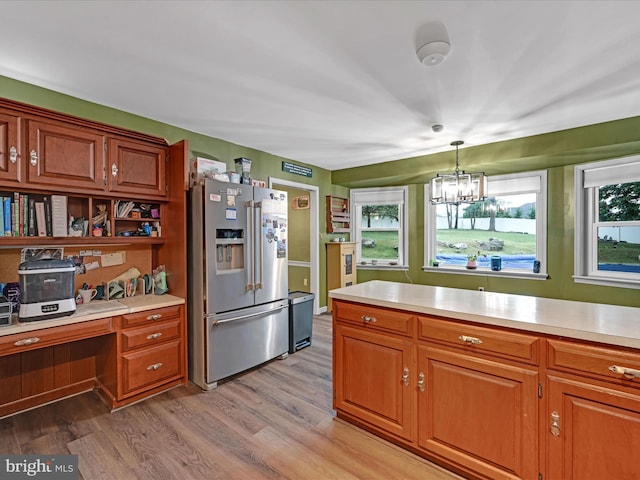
<point x="274" y="422"/>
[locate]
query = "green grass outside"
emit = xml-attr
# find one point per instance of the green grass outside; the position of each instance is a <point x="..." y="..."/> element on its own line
<point x="514" y="243"/>
<point x="385" y="245"/>
<point x="610" y="252"/>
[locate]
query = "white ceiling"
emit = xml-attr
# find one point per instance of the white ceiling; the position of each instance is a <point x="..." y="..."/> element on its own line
<point x="336" y="84"/>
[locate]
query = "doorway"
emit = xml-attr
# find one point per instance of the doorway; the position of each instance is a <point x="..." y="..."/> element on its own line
<point x="312" y="265"/>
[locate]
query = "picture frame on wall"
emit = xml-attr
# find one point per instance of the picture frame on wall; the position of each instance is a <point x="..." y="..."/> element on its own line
<point x="301" y="202"/>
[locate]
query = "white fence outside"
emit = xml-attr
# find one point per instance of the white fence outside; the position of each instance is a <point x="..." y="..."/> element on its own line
<point x="516" y="225"/>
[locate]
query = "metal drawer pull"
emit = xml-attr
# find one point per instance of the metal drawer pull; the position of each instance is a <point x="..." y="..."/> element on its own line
<point x="155" y="366"/>
<point x="368" y="319"/>
<point x="114" y="170"/>
<point x="625" y="371"/>
<point x="26" y="341"/>
<point x="470" y="340"/>
<point x="156" y="316"/>
<point x="13" y="154"/>
<point x="33" y="157"/>
<point x="405" y="376"/>
<point x="153" y="336"/>
<point x="421" y="381"/>
<point x="555" y="424"/>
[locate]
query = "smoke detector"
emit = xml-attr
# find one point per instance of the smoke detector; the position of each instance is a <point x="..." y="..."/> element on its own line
<point x="433" y="53"/>
<point x="437" y="128"/>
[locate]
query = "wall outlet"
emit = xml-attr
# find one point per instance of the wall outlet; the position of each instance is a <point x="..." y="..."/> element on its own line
<point x="305" y="282"/>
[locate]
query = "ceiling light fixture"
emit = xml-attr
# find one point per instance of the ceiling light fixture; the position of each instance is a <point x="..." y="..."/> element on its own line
<point x="458" y="187"/>
<point x="433" y="53"/>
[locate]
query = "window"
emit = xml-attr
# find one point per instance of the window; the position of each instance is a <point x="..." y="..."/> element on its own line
<point x="380" y="226"/>
<point x="509" y="224"/>
<point x="607" y="223"/>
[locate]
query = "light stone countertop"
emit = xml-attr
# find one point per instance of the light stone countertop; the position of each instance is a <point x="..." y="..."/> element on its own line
<point x="610" y="324"/>
<point x="95" y="310"/>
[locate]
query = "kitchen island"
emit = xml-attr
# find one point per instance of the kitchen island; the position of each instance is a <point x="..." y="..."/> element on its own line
<point x="491" y="385"/>
<point x="125" y="349"/>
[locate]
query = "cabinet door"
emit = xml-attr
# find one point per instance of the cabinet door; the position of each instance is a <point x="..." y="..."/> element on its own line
<point x="64" y="157"/>
<point x="478" y="413"/>
<point x="372" y="379"/>
<point x="10" y="153"/>
<point x="592" y="432"/>
<point x="137" y="168"/>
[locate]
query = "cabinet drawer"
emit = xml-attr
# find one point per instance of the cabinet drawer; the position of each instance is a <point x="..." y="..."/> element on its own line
<point x="33" y="339"/>
<point x="491" y="341"/>
<point x="596" y="362"/>
<point x="374" y="317"/>
<point x="143" y="368"/>
<point x="150" y="335"/>
<point x="150" y="316"/>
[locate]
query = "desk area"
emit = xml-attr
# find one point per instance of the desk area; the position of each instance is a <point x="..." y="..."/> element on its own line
<point x="125" y="349"/>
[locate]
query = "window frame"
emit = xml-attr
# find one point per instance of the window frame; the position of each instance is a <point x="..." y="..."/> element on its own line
<point x="381" y="196"/>
<point x="508" y="184"/>
<point x="586" y="221"/>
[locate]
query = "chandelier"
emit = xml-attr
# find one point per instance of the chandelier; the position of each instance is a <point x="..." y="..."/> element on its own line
<point x="458" y="187"/>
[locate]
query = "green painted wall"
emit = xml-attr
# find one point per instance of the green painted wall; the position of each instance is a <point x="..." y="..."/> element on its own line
<point x="557" y="152"/>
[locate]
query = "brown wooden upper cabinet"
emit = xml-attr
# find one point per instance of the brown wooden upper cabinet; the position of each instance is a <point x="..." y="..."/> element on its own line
<point x="10" y="147"/>
<point x="63" y="156"/>
<point x="136" y="168"/>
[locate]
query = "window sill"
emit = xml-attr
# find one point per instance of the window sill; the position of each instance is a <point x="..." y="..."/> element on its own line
<point x="486" y="272"/>
<point x="607" y="282"/>
<point x="381" y="266"/>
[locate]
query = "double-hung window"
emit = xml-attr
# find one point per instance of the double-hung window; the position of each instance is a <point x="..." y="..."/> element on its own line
<point x="607" y="223"/>
<point x="509" y="225"/>
<point x="379" y="226"/>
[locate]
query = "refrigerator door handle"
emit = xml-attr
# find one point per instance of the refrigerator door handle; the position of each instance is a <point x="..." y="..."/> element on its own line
<point x="250" y="227"/>
<point x="243" y="317"/>
<point x="259" y="280"/>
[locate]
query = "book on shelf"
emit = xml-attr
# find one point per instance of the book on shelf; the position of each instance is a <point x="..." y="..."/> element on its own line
<point x="32" y="217"/>
<point x="25" y="215"/>
<point x="59" y="216"/>
<point x="7" y="216"/>
<point x="41" y="223"/>
<point x="47" y="216"/>
<point x="14" y="212"/>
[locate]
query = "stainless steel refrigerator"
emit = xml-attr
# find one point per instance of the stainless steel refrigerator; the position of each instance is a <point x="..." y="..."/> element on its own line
<point x="238" y="289"/>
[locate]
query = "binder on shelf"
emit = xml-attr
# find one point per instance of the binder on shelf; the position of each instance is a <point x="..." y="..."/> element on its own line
<point x="41" y="219"/>
<point x="7" y="216"/>
<point x="59" y="216"/>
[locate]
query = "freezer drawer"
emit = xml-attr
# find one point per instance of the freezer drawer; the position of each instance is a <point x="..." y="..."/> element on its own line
<point x="245" y="339"/>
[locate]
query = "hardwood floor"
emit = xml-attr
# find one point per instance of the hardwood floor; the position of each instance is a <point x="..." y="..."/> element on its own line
<point x="274" y="422"/>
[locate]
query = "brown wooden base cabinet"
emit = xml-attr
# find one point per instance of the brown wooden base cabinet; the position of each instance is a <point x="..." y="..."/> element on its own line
<point x="487" y="402"/>
<point x="124" y="358"/>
